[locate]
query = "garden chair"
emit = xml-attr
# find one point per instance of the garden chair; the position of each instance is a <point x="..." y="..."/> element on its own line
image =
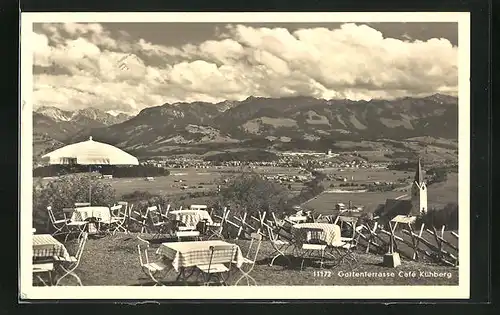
<point x="216" y="270"/>
<point x="118" y="219"/>
<point x="73" y="226"/>
<point x="313" y="241"/>
<point x="279" y="246"/>
<point x="164" y="215"/>
<point x="59" y="225"/>
<point x="157" y="222"/>
<point x="43" y="268"/>
<point x="151" y="269"/>
<point x="127" y="209"/>
<point x="346" y="244"/>
<point x="69" y="266"/>
<point x="216" y="229"/>
<point x="250" y="259"/>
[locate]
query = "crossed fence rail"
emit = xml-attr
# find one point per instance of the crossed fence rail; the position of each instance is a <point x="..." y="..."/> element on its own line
<point x="412" y="242"/>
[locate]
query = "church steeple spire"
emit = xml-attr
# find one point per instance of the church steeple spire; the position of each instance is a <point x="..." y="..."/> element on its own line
<point x="419" y="191"/>
<point x="419" y="176"/>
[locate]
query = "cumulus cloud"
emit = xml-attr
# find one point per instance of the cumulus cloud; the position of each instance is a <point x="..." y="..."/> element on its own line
<point x="119" y="72"/>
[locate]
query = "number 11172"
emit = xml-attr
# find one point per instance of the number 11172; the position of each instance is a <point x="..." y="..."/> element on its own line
<point x="322" y="273"/>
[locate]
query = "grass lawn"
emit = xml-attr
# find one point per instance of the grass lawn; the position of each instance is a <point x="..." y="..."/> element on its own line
<point x="113" y="260"/>
<point x="439" y="194"/>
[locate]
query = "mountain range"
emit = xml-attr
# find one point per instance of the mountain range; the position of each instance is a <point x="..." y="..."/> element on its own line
<point x="61" y="124"/>
<point x="280" y="123"/>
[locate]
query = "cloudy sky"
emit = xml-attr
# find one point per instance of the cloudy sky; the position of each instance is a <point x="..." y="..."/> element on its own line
<point x="125" y="67"/>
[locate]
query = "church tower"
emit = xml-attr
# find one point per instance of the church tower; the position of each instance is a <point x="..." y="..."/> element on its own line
<point x="419" y="192"/>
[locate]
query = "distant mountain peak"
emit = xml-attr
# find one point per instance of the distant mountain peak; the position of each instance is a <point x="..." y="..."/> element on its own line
<point x="54" y="113"/>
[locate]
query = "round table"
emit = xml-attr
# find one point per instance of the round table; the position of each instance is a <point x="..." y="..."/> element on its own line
<point x="331" y="235"/>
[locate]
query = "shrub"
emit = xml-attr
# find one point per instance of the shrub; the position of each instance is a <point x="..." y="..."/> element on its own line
<point x="447" y="216"/>
<point x="63" y="192"/>
<point x="438" y="174"/>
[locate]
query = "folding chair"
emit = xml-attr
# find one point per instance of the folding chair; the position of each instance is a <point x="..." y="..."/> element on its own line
<point x="164" y="215"/>
<point x="313" y="240"/>
<point x="217" y="269"/>
<point x="129" y="209"/>
<point x="118" y="219"/>
<point x="43" y="268"/>
<point x="73" y="226"/>
<point x="59" y="225"/>
<point x="69" y="266"/>
<point x="345" y="245"/>
<point x="250" y="260"/>
<point x="216" y="229"/>
<point x="157" y="222"/>
<point x="279" y="246"/>
<point x="151" y="269"/>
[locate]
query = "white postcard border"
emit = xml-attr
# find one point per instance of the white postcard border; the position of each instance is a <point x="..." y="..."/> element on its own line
<point x="27" y="291"/>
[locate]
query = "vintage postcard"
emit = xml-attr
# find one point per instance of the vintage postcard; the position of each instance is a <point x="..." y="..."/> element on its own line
<point x="198" y="155"/>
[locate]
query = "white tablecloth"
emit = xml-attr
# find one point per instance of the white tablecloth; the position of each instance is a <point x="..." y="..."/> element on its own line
<point x="331" y="235"/>
<point x="83" y="213"/>
<point x="191" y="217"/>
<point x="189" y="254"/>
<point x="46" y="246"/>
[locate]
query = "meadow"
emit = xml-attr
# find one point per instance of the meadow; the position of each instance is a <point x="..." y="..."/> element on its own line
<point x="439" y="194"/>
<point x="196" y="180"/>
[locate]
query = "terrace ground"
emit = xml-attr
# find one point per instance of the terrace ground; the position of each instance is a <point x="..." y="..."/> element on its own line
<point x="114" y="260"/>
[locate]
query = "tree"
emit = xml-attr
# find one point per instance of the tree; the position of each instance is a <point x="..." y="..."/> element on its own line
<point x="249" y="192"/>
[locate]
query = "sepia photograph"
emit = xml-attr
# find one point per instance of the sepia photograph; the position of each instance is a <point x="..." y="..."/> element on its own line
<point x="315" y="155"/>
